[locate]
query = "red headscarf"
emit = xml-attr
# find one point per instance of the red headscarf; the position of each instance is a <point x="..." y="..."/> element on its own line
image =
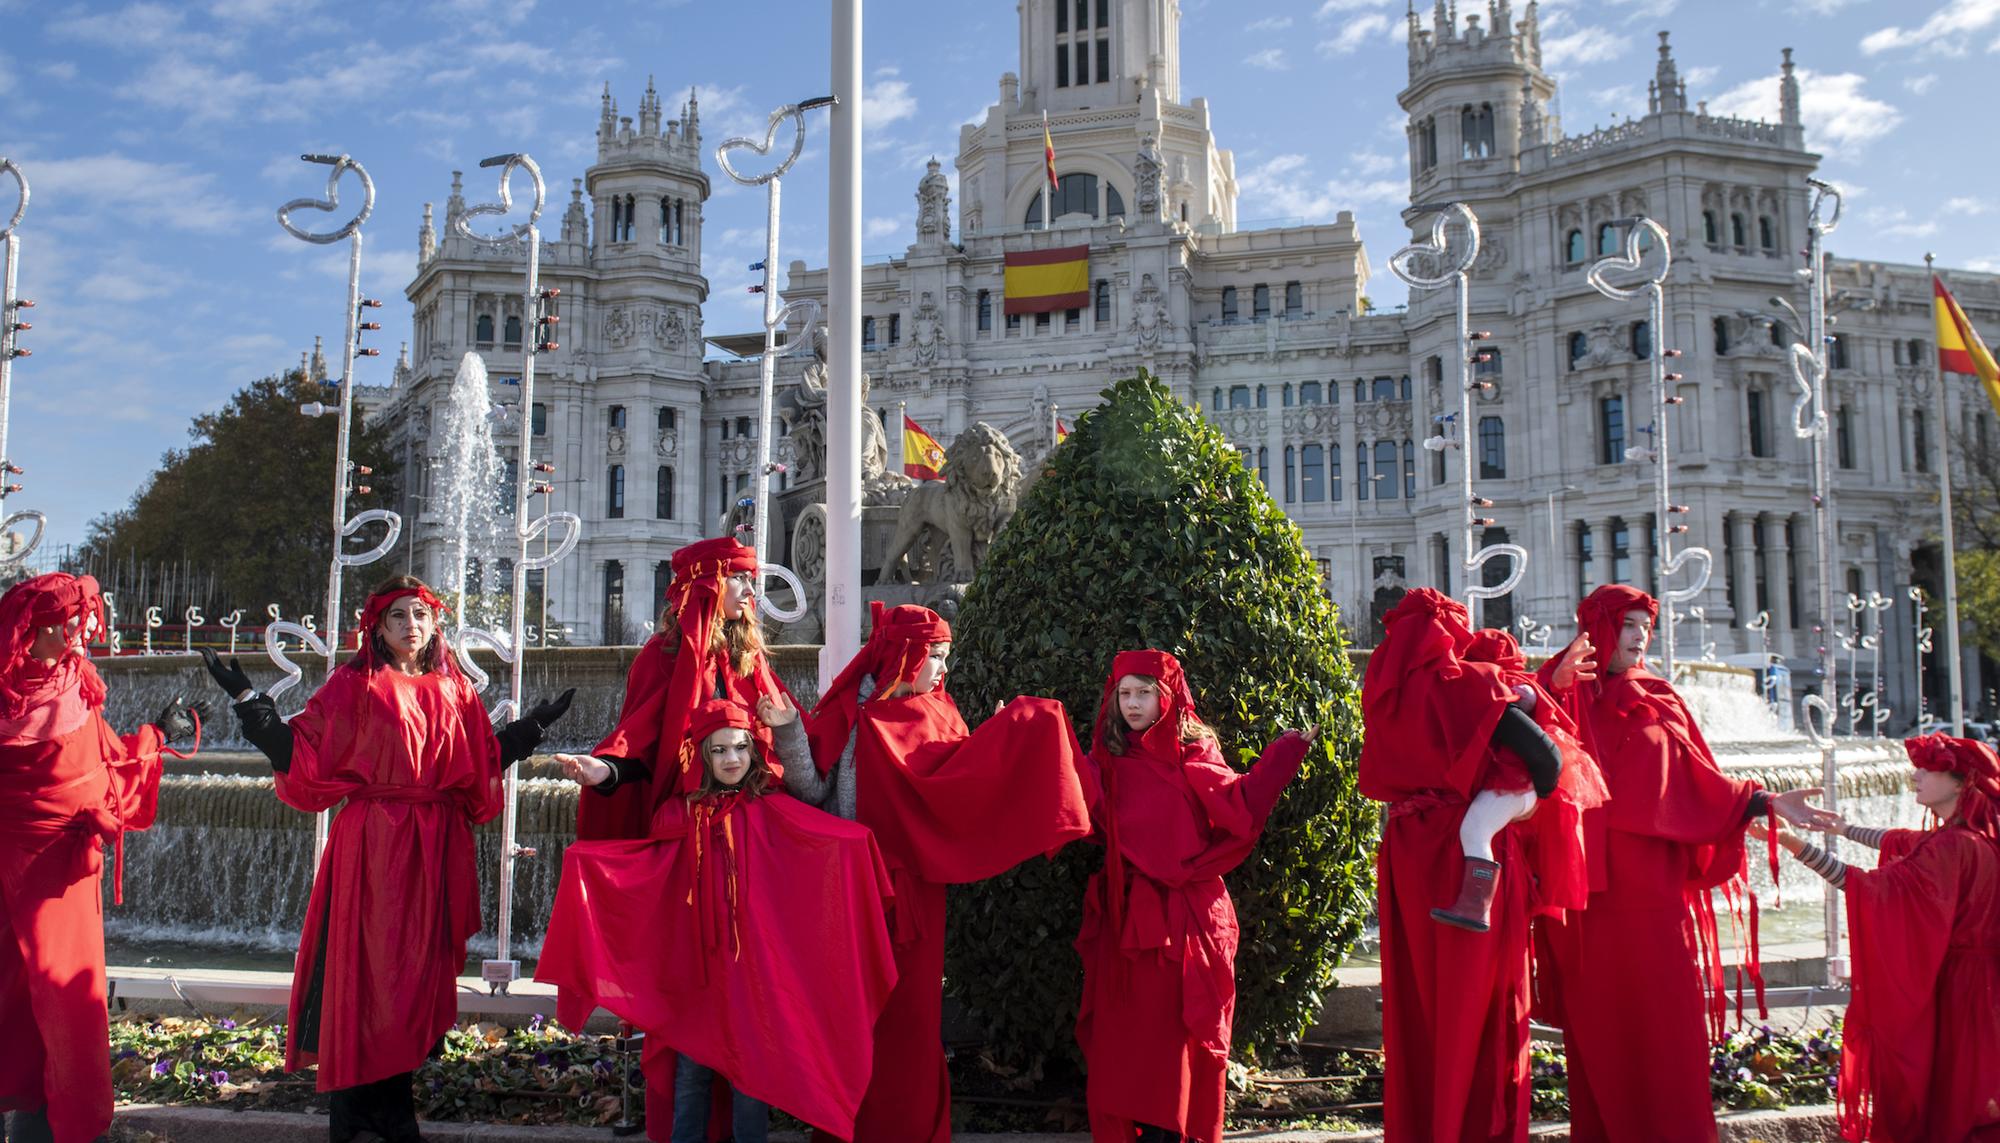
<point x="898" y="640"/>
<point x="1428" y="707"/>
<point x="50" y="600"/>
<point x="1974" y="762"/>
<point x="371" y="614"/>
<point x="695" y="595"/>
<point x="1602" y="616"/>
<point x="1162" y="740"/>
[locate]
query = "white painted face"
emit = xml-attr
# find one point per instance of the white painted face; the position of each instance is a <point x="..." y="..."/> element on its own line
<point x="407" y="627"/>
<point x="932" y="670"/>
<point x="1139" y="702"/>
<point x="1633" y="636"/>
<point x="729" y="755"/>
<point x="737" y="592"/>
<point x="1937" y="791"/>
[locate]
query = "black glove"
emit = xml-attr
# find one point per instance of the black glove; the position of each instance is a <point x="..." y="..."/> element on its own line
<point x="177" y="722"/>
<point x="229" y="676"/>
<point x="545" y="713"/>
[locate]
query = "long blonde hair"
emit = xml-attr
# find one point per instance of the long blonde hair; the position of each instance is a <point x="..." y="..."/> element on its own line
<point x="742" y="639"/>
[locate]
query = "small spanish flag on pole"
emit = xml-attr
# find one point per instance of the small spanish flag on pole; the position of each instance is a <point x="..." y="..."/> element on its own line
<point x="1062" y="432"/>
<point x="1959" y="348"/>
<point x="1049" y="173"/>
<point x="923" y="457"/>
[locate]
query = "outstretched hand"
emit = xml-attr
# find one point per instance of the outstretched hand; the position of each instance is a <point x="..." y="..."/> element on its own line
<point x="1794" y="808"/>
<point x="1310" y="733"/>
<point x="229" y="676"/>
<point x="776" y="710"/>
<point x="545" y="713"/>
<point x="584" y="769"/>
<point x="1578" y="664"/>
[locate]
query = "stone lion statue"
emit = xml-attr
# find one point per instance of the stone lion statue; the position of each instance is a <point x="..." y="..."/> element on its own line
<point x="944" y="527"/>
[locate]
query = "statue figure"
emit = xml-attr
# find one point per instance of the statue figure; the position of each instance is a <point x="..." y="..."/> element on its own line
<point x="945" y="526"/>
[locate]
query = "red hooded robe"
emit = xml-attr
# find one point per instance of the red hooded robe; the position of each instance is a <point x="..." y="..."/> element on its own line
<point x="1454" y="1003"/>
<point x="948" y="808"/>
<point x="749" y="933"/>
<point x="68" y="784"/>
<point x="1921" y="1042"/>
<point x="1637" y="983"/>
<point x="1159" y="933"/>
<point x="413" y="764"/>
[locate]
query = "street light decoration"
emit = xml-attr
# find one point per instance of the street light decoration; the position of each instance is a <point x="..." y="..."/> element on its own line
<point x="12" y="325"/>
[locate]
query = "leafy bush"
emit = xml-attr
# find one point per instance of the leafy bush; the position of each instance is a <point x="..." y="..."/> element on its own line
<point x="1145" y="531"/>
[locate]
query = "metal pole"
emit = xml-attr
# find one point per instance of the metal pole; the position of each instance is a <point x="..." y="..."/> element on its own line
<point x="1956" y="698"/>
<point x="843" y="349"/>
<point x="11" y="305"/>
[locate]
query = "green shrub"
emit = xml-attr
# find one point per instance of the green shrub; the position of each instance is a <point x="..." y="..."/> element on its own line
<point x="1145" y="531"/>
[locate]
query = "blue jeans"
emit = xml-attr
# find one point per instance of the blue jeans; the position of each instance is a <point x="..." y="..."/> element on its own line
<point x="692" y="1082"/>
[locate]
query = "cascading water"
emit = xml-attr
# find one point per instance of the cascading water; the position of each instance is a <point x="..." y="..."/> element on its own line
<point x="471" y="489"/>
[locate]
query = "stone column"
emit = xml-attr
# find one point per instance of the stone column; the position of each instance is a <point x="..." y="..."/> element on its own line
<point x="1640" y="537"/>
<point x="1601" y="562"/>
<point x="1776" y="549"/>
<point x="1743" y="569"/>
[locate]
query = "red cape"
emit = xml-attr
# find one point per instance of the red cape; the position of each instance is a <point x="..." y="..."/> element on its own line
<point x="1921" y="1058"/>
<point x="397" y="893"/>
<point x="749" y="936"/>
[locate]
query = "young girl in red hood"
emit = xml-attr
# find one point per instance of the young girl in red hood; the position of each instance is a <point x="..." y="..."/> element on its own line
<point x="1159" y="932"/>
<point x="68" y="784"/>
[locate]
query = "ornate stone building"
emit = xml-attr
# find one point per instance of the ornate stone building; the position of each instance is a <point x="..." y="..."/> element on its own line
<point x="1267" y="330"/>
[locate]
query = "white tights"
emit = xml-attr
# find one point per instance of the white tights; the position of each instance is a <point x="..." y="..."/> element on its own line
<point x="1490" y="812"/>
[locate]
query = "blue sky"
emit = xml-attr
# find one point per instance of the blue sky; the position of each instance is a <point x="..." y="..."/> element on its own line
<point x="160" y="138"/>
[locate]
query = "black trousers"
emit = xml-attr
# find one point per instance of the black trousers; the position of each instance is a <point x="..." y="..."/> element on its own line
<point x="388" y="1107"/>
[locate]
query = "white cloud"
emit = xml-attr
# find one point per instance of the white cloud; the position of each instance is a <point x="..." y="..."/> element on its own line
<point x="1819" y="7"/>
<point x="129" y="280"/>
<point x="60" y="70"/>
<point x="139" y="27"/>
<point x="1919" y="84"/>
<point x="1967" y="205"/>
<point x="1328" y="9"/>
<point x="885" y="101"/>
<point x="1270" y="59"/>
<point x="881" y="228"/>
<point x="1374" y="162"/>
<point x="1944" y="33"/>
<point x="123" y="190"/>
<point x="1582" y="47"/>
<point x="1354" y="33"/>
<point x="1700" y="75"/>
<point x="1285" y="186"/>
<point x="1897" y="223"/>
<point x="1270" y="24"/>
<point x="1837" y="113"/>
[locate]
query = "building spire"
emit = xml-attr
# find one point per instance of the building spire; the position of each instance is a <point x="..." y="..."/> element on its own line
<point x="1670" y="95"/>
<point x="426" y="237"/>
<point x="1788" y="94"/>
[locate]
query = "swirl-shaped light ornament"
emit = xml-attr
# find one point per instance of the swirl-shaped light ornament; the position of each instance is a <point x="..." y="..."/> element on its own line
<point x="800" y="316"/>
<point x="1643" y="237"/>
<point x="502" y="970"/>
<point x="1433" y="264"/>
<point x="1919" y="608"/>
<point x="11" y="305"/>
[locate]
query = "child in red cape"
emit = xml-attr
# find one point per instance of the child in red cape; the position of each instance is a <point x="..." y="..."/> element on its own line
<point x="1636" y="980"/>
<point x="399" y="739"/>
<point x="1443" y="720"/>
<point x="947" y="807"/>
<point x="1159" y="932"/>
<point x="1920" y="1056"/>
<point x="748" y="933"/>
<point x="68" y="783"/>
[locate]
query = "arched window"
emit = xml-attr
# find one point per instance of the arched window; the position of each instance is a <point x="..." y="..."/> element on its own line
<point x="666" y="220"/>
<point x="482" y="330"/>
<point x="665" y="419"/>
<point x="1780" y="336"/>
<point x="1737" y="235"/>
<point x="1260" y="302"/>
<point x="1642" y="340"/>
<point x="617" y="218"/>
<point x="1239" y="396"/>
<point x="1579" y="348"/>
<point x="1409" y="469"/>
<point x="1499" y="610"/>
<point x="631" y="214"/>
<point x="1475" y="131"/>
<point x="1385" y="467"/>
<point x="1295" y="299"/>
<point x="1710" y="232"/>
<point x="1427" y="143"/>
<point x="985" y="311"/>
<point x="1492" y="449"/>
<point x="1607" y="240"/>
<point x="1114" y="203"/>
<point x="1228" y="303"/>
<point x="1102" y="302"/>
<point x="1385" y="389"/>
<point x="513" y="329"/>
<point x="614" y="501"/>
<point x="1263" y="398"/>
<point x="1312" y="473"/>
<point x="614" y="417"/>
<point x="1491" y="366"/>
<point x="1309" y="393"/>
<point x="1333" y="472"/>
<point x="1403" y="387"/>
<point x="1215" y="399"/>
<point x="1767" y="233"/>
<point x="1264" y="468"/>
<point x="1573" y="248"/>
<point x="663" y="494"/>
<point x="1611" y="430"/>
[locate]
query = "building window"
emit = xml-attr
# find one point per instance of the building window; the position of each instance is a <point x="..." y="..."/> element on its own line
<point x="1260" y="302"/>
<point x="1101" y="302"/>
<point x="666" y="419"/>
<point x="1583" y="546"/>
<point x="1228" y="303"/>
<point x="1295" y="300"/>
<point x="1263" y="398"/>
<point x="1082" y="62"/>
<point x="614" y="417"/>
<point x="1737" y="237"/>
<point x="1499" y="610"/>
<point x="1920" y="440"/>
<point x="1042" y="321"/>
<point x="1062" y="53"/>
<point x="663" y="494"/>
<point x="1573" y="248"/>
<point x="1607" y="240"/>
<point x="867" y="333"/>
<point x="1409" y="469"/>
<point x="1611" y="430"/>
<point x="1760" y="440"/>
<point x="614" y="602"/>
<point x="1072" y="318"/>
<point x="482" y="329"/>
<point x="1621" y="552"/>
<point x="1333" y="472"/>
<point x="1427" y="143"/>
<point x="1290" y="487"/>
<point x="1490" y="367"/>
<point x="1780" y="336"/>
<point x="538" y="419"/>
<point x="1075" y="194"/>
<point x="1385" y="389"/>
<point x="1579" y="347"/>
<point x="1013" y="323"/>
<point x="895" y="329"/>
<point x="1104" y="62"/>
<point x="1710" y="233"/>
<point x="744" y="428"/>
<point x="1385" y="467"/>
<point x="1312" y="474"/>
<point x="1239" y="396"/>
<point x="985" y="311"/>
<point x="1767" y="234"/>
<point x="1642" y="340"/>
<point x="513" y="330"/>
<point x="1264" y="468"/>
<point x="1103" y="13"/>
<point x="1114" y="203"/>
<point x="1721" y="329"/>
<point x="1475" y="131"/>
<point x="1309" y="393"/>
<point x="614" y="500"/>
<point x="1492" y="449"/>
<point x="1843" y="435"/>
<point x="1837" y="351"/>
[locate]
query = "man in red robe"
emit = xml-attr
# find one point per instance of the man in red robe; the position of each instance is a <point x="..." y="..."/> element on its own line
<point x="68" y="784"/>
<point x="1637" y="983"/>
<point x="1454" y="1000"/>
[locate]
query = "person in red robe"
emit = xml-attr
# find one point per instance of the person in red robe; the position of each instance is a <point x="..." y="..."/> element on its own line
<point x="1920" y="1051"/>
<point x="1445" y="717"/>
<point x="68" y="784"/>
<point x="947" y="807"/>
<point x="1159" y="935"/>
<point x="1637" y="983"/>
<point x="398" y="739"/>
<point x="709" y="644"/>
<point x="747" y="932"/>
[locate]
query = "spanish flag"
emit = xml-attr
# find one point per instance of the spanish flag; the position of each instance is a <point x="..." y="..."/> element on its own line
<point x="1062" y="432"/>
<point x="1048" y="161"/>
<point x="1959" y="347"/>
<point x="923" y="457"/>
<point x="1038" y="281"/>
